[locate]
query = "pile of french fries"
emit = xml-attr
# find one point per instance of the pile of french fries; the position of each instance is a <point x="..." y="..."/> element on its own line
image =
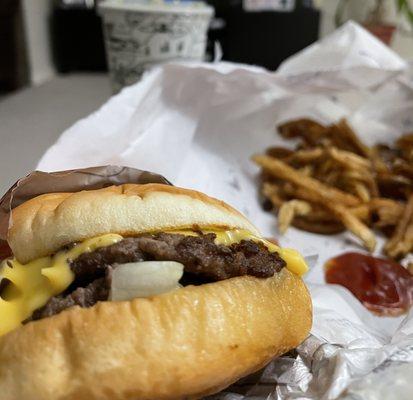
<point x="332" y="182"/>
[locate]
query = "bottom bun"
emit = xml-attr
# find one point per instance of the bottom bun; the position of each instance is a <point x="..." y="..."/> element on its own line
<point x="183" y="344"/>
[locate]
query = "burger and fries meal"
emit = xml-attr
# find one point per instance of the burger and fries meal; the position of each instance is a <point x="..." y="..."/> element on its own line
<point x="332" y="182"/>
<point x="154" y="292"/>
<point x="141" y="291"/>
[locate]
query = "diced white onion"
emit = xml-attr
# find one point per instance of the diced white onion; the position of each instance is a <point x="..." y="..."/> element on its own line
<point x="145" y="279"/>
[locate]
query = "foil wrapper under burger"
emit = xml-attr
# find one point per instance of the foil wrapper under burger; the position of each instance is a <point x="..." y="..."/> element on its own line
<point x="342" y="359"/>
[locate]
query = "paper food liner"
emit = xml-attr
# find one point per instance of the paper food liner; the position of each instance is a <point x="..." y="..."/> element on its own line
<point x="199" y="124"/>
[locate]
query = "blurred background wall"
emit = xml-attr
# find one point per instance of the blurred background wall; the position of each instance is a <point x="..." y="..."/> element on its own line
<point x="41" y="38"/>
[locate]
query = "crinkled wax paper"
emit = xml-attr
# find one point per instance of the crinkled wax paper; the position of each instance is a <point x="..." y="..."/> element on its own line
<point x="198" y="125"/>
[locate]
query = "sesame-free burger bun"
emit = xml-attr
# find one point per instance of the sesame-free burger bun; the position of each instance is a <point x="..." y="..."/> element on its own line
<point x="180" y="345"/>
<point x="48" y="222"/>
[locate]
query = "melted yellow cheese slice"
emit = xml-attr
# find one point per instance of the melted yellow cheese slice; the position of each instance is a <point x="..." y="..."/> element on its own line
<point x="33" y="284"/>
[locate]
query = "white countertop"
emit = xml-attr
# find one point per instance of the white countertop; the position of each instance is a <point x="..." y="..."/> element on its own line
<point x="32" y="119"/>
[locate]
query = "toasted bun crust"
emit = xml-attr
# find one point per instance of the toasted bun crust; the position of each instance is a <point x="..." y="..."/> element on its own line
<point x="48" y="222"/>
<point x="184" y="344"/>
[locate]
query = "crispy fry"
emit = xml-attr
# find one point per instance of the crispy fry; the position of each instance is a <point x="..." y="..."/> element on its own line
<point x="362" y="212"/>
<point x="394" y="186"/>
<point x="378" y="202"/>
<point x="279" y="152"/>
<point x="357" y="175"/>
<point x="401" y="242"/>
<point x="322" y="227"/>
<point x="271" y="192"/>
<point x="305" y="156"/>
<point x="293" y="191"/>
<point x="281" y="170"/>
<point x="405" y="141"/>
<point x="319" y="220"/>
<point x="289" y="210"/>
<point x="404" y="168"/>
<point x="387" y="211"/>
<point x="307" y="170"/>
<point x="320" y="215"/>
<point x="405" y="144"/>
<point x="333" y="181"/>
<point x="354" y="225"/>
<point x="361" y="191"/>
<point x="379" y="165"/>
<point x="348" y="139"/>
<point x="361" y="176"/>
<point x="324" y="167"/>
<point x="348" y="159"/>
<point x="306" y="129"/>
<point x="403" y="247"/>
<point x="333" y="177"/>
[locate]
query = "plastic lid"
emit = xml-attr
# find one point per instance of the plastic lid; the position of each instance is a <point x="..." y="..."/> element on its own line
<point x="157" y="6"/>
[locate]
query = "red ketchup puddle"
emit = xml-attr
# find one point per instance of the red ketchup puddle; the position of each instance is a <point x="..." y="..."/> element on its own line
<point x="383" y="286"/>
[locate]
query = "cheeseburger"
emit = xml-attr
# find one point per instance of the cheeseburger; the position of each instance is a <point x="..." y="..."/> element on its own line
<point x="141" y="292"/>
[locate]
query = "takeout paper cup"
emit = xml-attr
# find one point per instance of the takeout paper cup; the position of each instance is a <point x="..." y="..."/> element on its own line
<point x="139" y="35"/>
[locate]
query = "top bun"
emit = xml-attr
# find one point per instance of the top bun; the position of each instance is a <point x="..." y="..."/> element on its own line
<point x="46" y="223"/>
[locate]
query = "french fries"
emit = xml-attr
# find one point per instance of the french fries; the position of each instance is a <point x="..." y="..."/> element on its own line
<point x="323" y="193"/>
<point x="289" y="210"/>
<point x="401" y="242"/>
<point x="332" y="182"/>
<point x="354" y="225"/>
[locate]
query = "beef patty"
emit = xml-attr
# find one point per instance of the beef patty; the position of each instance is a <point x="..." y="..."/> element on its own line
<point x="204" y="261"/>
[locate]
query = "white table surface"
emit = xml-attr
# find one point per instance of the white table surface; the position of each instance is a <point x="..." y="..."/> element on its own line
<point x="32" y="119"/>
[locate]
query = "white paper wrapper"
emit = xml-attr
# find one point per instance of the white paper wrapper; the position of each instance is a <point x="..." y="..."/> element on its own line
<point x="199" y="124"/>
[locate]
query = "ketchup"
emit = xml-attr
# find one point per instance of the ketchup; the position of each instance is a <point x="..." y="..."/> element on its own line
<point x="383" y="286"/>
